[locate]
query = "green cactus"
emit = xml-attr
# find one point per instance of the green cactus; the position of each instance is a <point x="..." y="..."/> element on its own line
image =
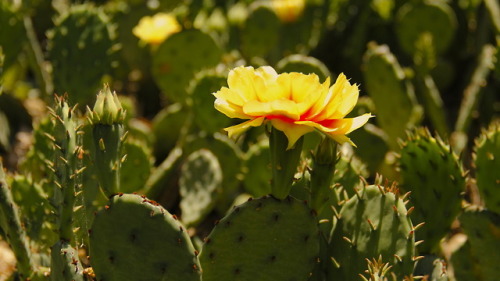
<point x="254" y="42"/>
<point x="179" y="58"/>
<point x="303" y="64"/>
<point x="137" y="167"/>
<point x="434" y="17"/>
<point x="205" y="115"/>
<point x="258" y="173"/>
<point x="82" y="42"/>
<point x="12" y="27"/>
<point x="373" y="223"/>
<point x="167" y="128"/>
<point x="13" y="231"/>
<point x="5" y="133"/>
<point x="432" y="172"/>
<point x="106" y="120"/>
<point x="66" y="164"/>
<point x="199" y="185"/>
<point x="392" y="94"/>
<point x="482" y="228"/>
<point x="377" y="270"/>
<point x="262" y="239"/>
<point x="134" y="238"/>
<point x="65" y="264"/>
<point x="36" y="210"/>
<point x="486" y="161"/>
<point x="230" y="159"/>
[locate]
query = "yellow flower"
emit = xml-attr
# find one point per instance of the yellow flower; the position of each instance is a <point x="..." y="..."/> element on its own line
<point x="293" y="103"/>
<point x="156" y="29"/>
<point x="288" y="10"/>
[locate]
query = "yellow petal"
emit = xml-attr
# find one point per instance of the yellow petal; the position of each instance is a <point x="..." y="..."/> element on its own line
<point x="230" y="110"/>
<point x="347" y="125"/>
<point x="304" y="90"/>
<point x="318" y="126"/>
<point x="240" y="128"/>
<point x="230" y="96"/>
<point x="282" y="107"/>
<point x="341" y="139"/>
<point x="292" y="131"/>
<point x="343" y="100"/>
<point x="248" y="83"/>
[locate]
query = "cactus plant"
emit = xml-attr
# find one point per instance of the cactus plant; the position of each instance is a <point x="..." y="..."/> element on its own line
<point x="431" y="172"/>
<point x="375" y="222"/>
<point x="83" y="42"/>
<point x="486" y="160"/>
<point x="160" y="245"/>
<point x="262" y="239"/>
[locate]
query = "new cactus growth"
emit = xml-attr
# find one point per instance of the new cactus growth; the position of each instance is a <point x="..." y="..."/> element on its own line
<point x="106" y="120"/>
<point x="374" y="222"/>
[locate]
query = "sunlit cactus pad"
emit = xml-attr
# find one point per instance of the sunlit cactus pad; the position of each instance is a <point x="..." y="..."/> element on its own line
<point x="263" y="239"/>
<point x="134" y="238"/>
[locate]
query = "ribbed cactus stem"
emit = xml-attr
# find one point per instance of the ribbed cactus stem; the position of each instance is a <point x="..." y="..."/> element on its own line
<point x="15" y="234"/>
<point x="284" y="163"/>
<point x="108" y="133"/>
<point x="322" y="173"/>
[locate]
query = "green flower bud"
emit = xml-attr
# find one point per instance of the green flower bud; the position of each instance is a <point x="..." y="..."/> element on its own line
<point x="107" y="109"/>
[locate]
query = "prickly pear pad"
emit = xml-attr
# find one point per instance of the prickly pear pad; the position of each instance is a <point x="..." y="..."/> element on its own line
<point x="487" y="161"/>
<point x="263" y="239"/>
<point x="134" y="238"/>
<point x="433" y="174"/>
<point x="372" y="223"/>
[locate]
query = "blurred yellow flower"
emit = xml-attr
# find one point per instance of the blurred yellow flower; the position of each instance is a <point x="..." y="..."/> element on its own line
<point x="288" y="10"/>
<point x="157" y="28"/>
<point x="294" y="103"/>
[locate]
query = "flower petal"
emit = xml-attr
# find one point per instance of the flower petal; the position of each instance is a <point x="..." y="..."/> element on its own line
<point x="240" y="128"/>
<point x="348" y="125"/>
<point x="229" y="109"/>
<point x="282" y="107"/>
<point x="292" y="131"/>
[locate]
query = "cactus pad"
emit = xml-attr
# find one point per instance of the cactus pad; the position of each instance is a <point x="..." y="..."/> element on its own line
<point x="303" y="64"/>
<point x="415" y="18"/>
<point x="199" y="184"/>
<point x="83" y="42"/>
<point x="65" y="264"/>
<point x="487" y="161"/>
<point x="134" y="238"/>
<point x="390" y="91"/>
<point x="372" y="223"/>
<point x="135" y="171"/>
<point x="262" y="239"/>
<point x="206" y="116"/>
<point x="179" y="58"/>
<point x="433" y="174"/>
<point x="483" y="231"/>
<point x="257" y="169"/>
<point x="254" y="42"/>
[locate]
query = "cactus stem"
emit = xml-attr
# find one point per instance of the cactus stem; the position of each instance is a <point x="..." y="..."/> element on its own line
<point x="357" y="194"/>
<point x="395" y="210"/>
<point x="410" y="235"/>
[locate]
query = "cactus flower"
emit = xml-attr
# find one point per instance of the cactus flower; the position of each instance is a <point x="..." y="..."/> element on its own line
<point x="293" y="103"/>
<point x="156" y="29"/>
<point x="288" y="10"/>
